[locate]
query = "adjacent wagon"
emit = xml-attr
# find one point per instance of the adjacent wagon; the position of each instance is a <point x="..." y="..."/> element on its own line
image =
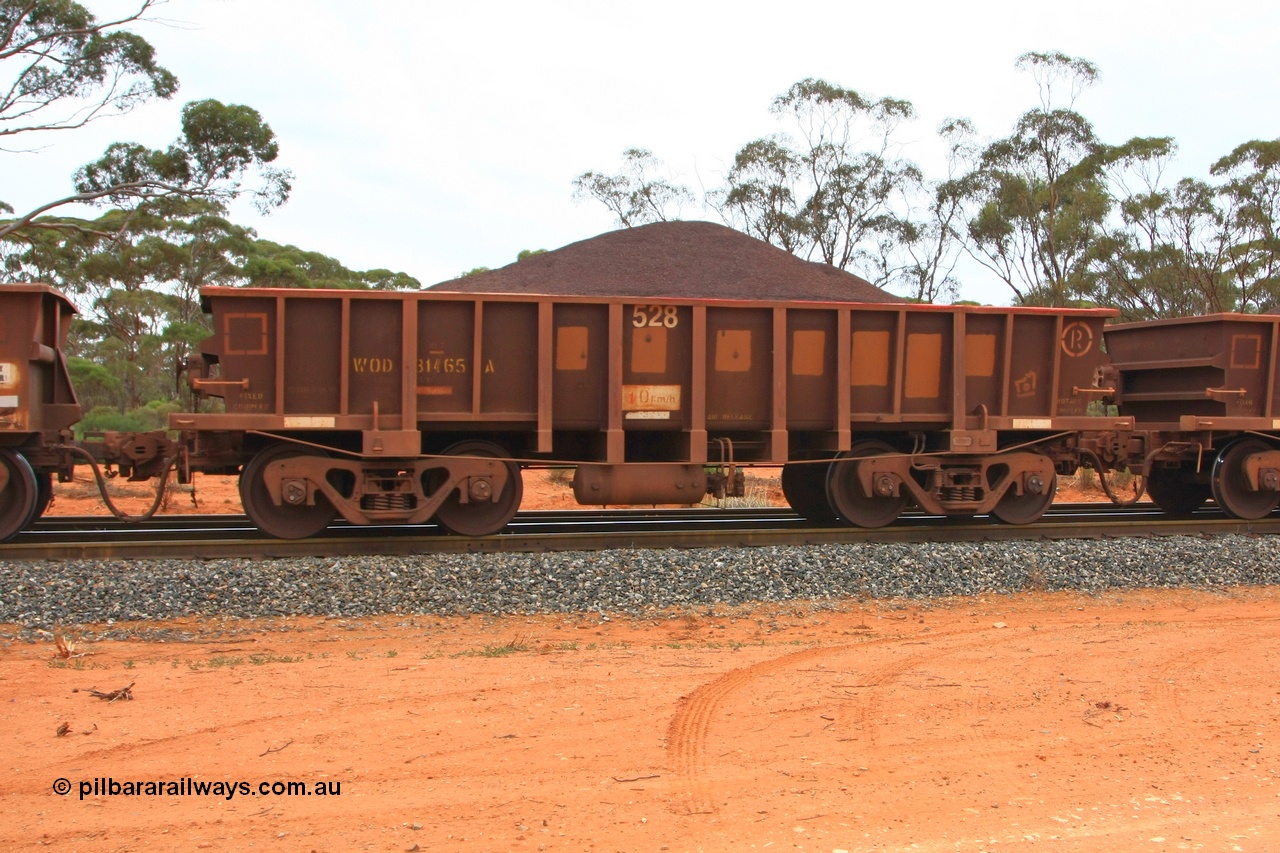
<point x="38" y="406"/>
<point x="1205" y="396"/>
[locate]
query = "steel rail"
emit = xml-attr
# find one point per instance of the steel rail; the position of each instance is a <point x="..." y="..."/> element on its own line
<point x="232" y="537"/>
<point x="105" y="524"/>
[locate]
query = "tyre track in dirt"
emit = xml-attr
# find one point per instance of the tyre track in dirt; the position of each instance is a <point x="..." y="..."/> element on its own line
<point x="1187" y="700"/>
<point x="689" y="729"/>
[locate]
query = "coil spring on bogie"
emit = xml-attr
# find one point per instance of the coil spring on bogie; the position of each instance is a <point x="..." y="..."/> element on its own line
<point x="956" y="494"/>
<point x="387" y="502"/>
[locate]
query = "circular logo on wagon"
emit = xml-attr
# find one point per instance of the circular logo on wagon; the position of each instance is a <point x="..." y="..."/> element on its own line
<point x="1077" y="339"/>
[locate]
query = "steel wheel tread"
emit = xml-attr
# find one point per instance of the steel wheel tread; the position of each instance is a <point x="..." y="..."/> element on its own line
<point x="284" y="521"/>
<point x="844" y="492"/>
<point x="805" y="487"/>
<point x="481" y="518"/>
<point x="1231" y="489"/>
<point x="44" y="493"/>
<point x="20" y="499"/>
<point x="1026" y="508"/>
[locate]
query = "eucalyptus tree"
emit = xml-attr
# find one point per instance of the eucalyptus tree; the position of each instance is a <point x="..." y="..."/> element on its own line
<point x="636" y="195"/>
<point x="269" y="264"/>
<point x="831" y="195"/>
<point x="1250" y="195"/>
<point x="1163" y="250"/>
<point x="139" y="291"/>
<point x="1198" y="247"/>
<point x="61" y="67"/>
<point x="851" y="171"/>
<point x="759" y="195"/>
<point x="66" y="68"/>
<point x="1038" y="194"/>
<point x="919" y="260"/>
<point x="123" y="313"/>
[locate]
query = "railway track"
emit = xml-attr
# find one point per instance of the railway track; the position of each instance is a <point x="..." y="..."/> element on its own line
<point x="230" y="536"/>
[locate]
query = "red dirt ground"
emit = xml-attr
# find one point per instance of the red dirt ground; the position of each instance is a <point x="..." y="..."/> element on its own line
<point x="1127" y="721"/>
<point x="1134" y="721"/>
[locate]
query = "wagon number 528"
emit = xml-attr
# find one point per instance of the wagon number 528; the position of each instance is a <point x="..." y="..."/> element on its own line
<point x="654" y="315"/>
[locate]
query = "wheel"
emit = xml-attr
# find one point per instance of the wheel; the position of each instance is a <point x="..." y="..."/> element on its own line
<point x="479" y="517"/>
<point x="1231" y="489"/>
<point x="285" y="521"/>
<point x="20" y="496"/>
<point x="845" y="495"/>
<point x="805" y="488"/>
<point x="1027" y="507"/>
<point x="1173" y="490"/>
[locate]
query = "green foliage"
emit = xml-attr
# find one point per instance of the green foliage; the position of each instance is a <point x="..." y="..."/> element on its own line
<point x="383" y="279"/>
<point x="270" y="264"/>
<point x="219" y="146"/>
<point x="1052" y="69"/>
<point x="146" y="418"/>
<point x="65" y="68"/>
<point x="920" y="256"/>
<point x="95" y="384"/>
<point x="1251" y="210"/>
<point x="843" y="196"/>
<point x="1196" y="247"/>
<point x="1039" y="194"/>
<point x="831" y="199"/>
<point x="138" y="290"/>
<point x="759" y="196"/>
<point x="524" y="253"/>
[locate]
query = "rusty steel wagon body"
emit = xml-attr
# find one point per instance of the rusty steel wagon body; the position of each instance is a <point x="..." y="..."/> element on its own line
<point x="410" y="406"/>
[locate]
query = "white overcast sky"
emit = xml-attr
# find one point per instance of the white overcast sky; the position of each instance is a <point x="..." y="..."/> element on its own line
<point x="434" y="137"/>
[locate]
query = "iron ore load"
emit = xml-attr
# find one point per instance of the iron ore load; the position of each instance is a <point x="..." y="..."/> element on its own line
<point x="405" y="408"/>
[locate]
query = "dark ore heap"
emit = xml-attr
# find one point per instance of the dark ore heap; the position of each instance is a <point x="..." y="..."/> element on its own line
<point x="674" y="259"/>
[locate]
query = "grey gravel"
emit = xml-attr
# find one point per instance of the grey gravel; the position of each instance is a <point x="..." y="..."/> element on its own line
<point x="41" y="595"/>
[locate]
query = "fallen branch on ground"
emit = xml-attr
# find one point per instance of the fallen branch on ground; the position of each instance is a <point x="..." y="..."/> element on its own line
<point x="123" y="693"/>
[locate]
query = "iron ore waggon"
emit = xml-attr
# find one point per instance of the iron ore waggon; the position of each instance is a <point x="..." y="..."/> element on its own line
<point x="409" y="407"/>
<point x="395" y="407"/>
